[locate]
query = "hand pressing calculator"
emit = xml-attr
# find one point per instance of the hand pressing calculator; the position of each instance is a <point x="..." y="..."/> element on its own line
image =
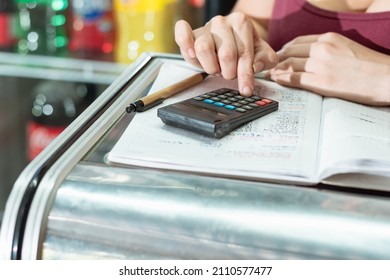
<point x="216" y="113"/>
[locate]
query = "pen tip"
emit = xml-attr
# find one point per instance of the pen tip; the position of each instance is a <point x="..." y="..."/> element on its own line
<point x="131" y="108"/>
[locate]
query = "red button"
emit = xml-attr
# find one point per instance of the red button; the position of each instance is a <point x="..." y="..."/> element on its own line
<point x="265" y="100"/>
<point x="261" y="103"/>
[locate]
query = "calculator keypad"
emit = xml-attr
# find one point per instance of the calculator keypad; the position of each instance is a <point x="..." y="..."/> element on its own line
<point x="216" y="113"/>
<point x="232" y="100"/>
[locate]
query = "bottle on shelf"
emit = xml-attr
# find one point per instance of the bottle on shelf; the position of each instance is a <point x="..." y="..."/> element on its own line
<point x="193" y="11"/>
<point x="8" y="38"/>
<point x="55" y="105"/>
<point x="92" y="29"/>
<point x="42" y="27"/>
<point x="144" y="26"/>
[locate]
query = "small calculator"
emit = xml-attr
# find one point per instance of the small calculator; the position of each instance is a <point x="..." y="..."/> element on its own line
<point x="216" y="113"/>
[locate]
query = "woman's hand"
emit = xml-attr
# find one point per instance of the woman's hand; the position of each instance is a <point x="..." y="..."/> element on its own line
<point x="228" y="46"/>
<point x="333" y="65"/>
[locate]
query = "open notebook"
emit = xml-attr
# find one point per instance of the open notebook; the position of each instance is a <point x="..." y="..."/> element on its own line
<point x="308" y="140"/>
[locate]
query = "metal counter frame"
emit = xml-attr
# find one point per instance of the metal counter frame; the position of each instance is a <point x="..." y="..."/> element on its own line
<point x="69" y="204"/>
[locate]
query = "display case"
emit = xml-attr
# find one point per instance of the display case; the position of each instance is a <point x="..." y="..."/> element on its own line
<point x="69" y="203"/>
<point x="19" y="75"/>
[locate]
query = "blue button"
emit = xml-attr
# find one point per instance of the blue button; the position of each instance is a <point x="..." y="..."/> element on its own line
<point x="230" y="107"/>
<point x="219" y="104"/>
<point x="208" y="101"/>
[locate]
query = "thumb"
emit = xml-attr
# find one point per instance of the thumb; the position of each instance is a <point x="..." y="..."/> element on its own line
<point x="265" y="57"/>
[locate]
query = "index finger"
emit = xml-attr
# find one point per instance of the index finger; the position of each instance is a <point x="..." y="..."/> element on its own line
<point x="243" y="32"/>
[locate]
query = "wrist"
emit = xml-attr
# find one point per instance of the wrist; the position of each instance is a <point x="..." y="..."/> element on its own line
<point x="386" y="78"/>
<point x="383" y="89"/>
<point x="259" y="28"/>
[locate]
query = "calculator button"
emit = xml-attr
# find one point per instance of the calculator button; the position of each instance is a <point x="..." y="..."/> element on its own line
<point x="239" y="97"/>
<point x="221" y="90"/>
<point x="216" y="98"/>
<point x="261" y="103"/>
<point x="265" y="100"/>
<point x="205" y="96"/>
<point x="198" y="98"/>
<point x="208" y="101"/>
<point x="241" y="110"/>
<point x="230" y="107"/>
<point x="255" y="97"/>
<point x="230" y="94"/>
<point x="236" y="104"/>
<point x="226" y="101"/>
<point x="247" y="107"/>
<point x="254" y="105"/>
<point x="233" y="99"/>
<point x="219" y="104"/>
<point x="243" y="102"/>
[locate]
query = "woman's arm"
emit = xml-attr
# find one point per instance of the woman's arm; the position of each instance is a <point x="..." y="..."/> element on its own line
<point x="231" y="46"/>
<point x="259" y="11"/>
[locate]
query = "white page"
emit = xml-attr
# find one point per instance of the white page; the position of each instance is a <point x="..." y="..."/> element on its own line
<point x="356" y="138"/>
<point x="277" y="146"/>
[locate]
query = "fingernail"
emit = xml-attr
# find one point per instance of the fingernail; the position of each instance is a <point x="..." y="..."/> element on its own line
<point x="263" y="75"/>
<point x="191" y="53"/>
<point x="272" y="77"/>
<point x="246" y="91"/>
<point x="258" y="66"/>
<point x="267" y="75"/>
<point x="280" y="54"/>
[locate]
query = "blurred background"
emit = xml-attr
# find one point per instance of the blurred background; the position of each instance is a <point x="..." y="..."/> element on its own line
<point x="57" y="56"/>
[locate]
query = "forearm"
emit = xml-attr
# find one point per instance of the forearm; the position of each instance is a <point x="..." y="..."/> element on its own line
<point x="260" y="26"/>
<point x="259" y="12"/>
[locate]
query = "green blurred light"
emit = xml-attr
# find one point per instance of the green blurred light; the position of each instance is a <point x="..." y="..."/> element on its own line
<point x="59" y="5"/>
<point x="61" y="41"/>
<point x="58" y="20"/>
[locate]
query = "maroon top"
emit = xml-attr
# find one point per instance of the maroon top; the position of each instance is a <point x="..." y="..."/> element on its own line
<point x="292" y="18"/>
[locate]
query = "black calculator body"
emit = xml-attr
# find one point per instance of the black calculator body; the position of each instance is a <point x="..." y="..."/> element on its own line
<point x="216" y="113"/>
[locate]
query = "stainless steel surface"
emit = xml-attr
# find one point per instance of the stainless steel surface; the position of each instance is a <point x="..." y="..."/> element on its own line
<point x="105" y="212"/>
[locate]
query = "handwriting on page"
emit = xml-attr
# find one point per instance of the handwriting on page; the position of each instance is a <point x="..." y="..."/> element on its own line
<point x="284" y="129"/>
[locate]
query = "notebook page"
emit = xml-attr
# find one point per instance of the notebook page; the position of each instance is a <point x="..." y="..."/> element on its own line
<point x="356" y="138"/>
<point x="279" y="146"/>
